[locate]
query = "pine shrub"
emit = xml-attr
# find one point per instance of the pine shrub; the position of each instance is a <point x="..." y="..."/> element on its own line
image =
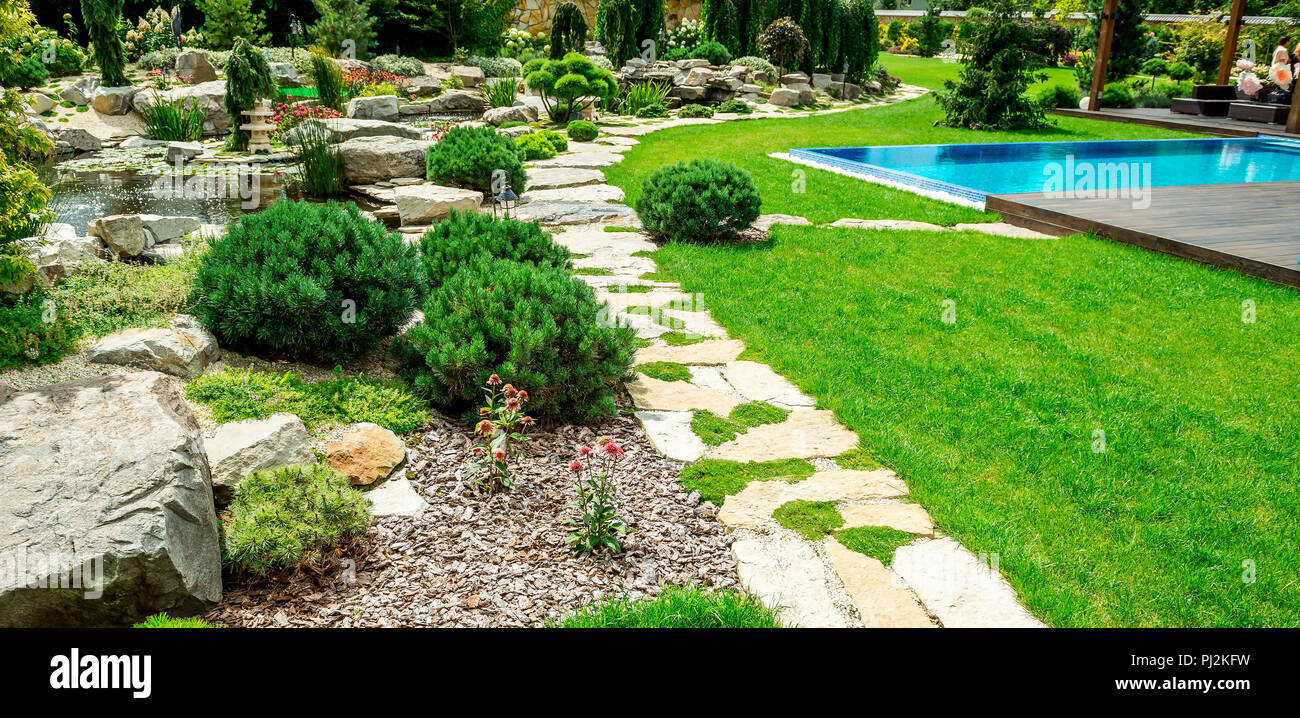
<point x="1002" y="60"/>
<point x="467" y="157"/>
<point x="697" y="201"/>
<point x="715" y="52"/>
<point x="341" y="21"/>
<point x="695" y="111"/>
<point x="229" y="20"/>
<point x="736" y="105"/>
<point x="453" y="242"/>
<point x="535" y="327"/>
<point x="289" y="516"/>
<point x="535" y="147"/>
<point x="583" y="131"/>
<point x="314" y="281"/>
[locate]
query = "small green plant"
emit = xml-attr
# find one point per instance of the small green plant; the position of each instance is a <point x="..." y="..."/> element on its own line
<point x="652" y="112"/>
<point x="399" y="65"/>
<point x="810" y="519"/>
<point x="1116" y="94"/>
<point x="715" y="52"/>
<point x="307" y="280"/>
<point x="665" y="371"/>
<point x="320" y="163"/>
<point x="599" y="528"/>
<point x="643" y="94"/>
<point x="716" y="479"/>
<point x="681" y="339"/>
<point x="31" y="332"/>
<point x="857" y="459"/>
<point x="179" y="119"/>
<point x="582" y="131"/>
<point x="878" y="542"/>
<point x="239" y="394"/>
<point x="501" y="428"/>
<point x="469" y="156"/>
<point x="499" y="92"/>
<point x="451" y="243"/>
<point x="535" y="147"/>
<point x="327" y="76"/>
<point x="162" y="620"/>
<point x="715" y="430"/>
<point x="695" y="111"/>
<point x="676" y="607"/>
<point x="291" y="516"/>
<point x="697" y="201"/>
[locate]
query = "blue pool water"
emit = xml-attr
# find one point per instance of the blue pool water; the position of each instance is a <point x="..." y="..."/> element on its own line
<point x="971" y="171"/>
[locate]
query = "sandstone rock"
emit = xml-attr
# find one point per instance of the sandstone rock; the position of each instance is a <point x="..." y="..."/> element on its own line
<point x="113" y="100"/>
<point x="182" y="151"/>
<point x="395" y="497"/>
<point x="382" y="107"/>
<point x="765" y="221"/>
<point x="469" y="76"/>
<point x="573" y="212"/>
<point x="78" y="140"/>
<point x="107" y="472"/>
<point x="423" y="85"/>
<point x="425" y="203"/>
<point x="342" y="129"/>
<point x="589" y="193"/>
<point x="886" y="224"/>
<point x="821" y="81"/>
<point x="691" y="93"/>
<point x="752" y="507"/>
<point x="367" y="454"/>
<point x="712" y="351"/>
<point x="903" y="517"/>
<point x="367" y="160"/>
<point x="194" y="67"/>
<point x="57" y="258"/>
<point x="182" y="349"/>
<point x="501" y="115"/>
<point x="80" y="92"/>
<point x="560" y="177"/>
<point x="783" y="97"/>
<point x="670" y="433"/>
<point x="1002" y="229"/>
<point x="787" y="574"/>
<point x="698" y="77"/>
<point x="962" y="590"/>
<point x="881" y="597"/>
<point x="515" y="132"/>
<point x="241" y="447"/>
<point x="582" y="160"/>
<point x="123" y="233"/>
<point x="850" y="91"/>
<point x="758" y="382"/>
<point x="40" y="102"/>
<point x="794" y="78"/>
<point x="458" y="101"/>
<point x="805" y="434"/>
<point x="653" y="394"/>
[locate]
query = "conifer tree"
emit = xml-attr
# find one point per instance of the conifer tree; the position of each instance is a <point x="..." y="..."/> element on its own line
<point x="341" y="21"/>
<point x="248" y="79"/>
<point x="229" y="20"/>
<point x="101" y="18"/>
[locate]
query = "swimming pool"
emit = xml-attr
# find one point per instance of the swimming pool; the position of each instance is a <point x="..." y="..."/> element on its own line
<point x="967" y="173"/>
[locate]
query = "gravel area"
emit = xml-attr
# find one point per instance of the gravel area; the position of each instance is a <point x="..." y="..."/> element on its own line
<point x="501" y="560"/>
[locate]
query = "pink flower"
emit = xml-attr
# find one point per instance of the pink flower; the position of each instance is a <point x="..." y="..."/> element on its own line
<point x="499" y="455"/>
<point x="484" y="428"/>
<point x="523" y="395"/>
<point x="575" y="467"/>
<point x="508" y="389"/>
<point x="612" y="449"/>
<point x="512" y="404"/>
<point x="584" y="450"/>
<point x="478" y="451"/>
<point x="494" y="380"/>
<point x="527" y="421"/>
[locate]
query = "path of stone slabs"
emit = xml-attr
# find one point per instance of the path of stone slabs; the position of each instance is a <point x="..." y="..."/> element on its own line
<point x="691" y="374"/>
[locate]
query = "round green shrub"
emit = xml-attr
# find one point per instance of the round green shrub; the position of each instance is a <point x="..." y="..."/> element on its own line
<point x="650" y="111"/>
<point x="454" y="241"/>
<point x="535" y="147"/>
<point x="697" y="201"/>
<point x="695" y="111"/>
<point x="496" y="66"/>
<point x="583" y="131"/>
<point x="399" y="65"/>
<point x="557" y="140"/>
<point x="714" y="52"/>
<point x="1116" y="94"/>
<point x="290" y="515"/>
<point x="736" y="105"/>
<point x="467" y="156"/>
<point x="315" y="281"/>
<point x="535" y="327"/>
<point x="758" y="64"/>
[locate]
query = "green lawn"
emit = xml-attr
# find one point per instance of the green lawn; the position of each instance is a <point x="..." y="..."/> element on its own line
<point x="931" y="72"/>
<point x="825" y="196"/>
<point x="993" y="420"/>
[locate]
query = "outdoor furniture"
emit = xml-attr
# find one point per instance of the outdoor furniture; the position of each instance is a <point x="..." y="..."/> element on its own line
<point x="1208" y="100"/>
<point x="1259" y="112"/>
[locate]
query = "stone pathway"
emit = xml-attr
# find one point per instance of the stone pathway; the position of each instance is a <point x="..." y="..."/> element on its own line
<point x="933" y="581"/>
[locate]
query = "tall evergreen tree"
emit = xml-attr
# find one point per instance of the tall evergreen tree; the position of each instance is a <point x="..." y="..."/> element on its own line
<point x="568" y="30"/>
<point x="101" y="18"/>
<point x="229" y="20"/>
<point x="341" y="21"/>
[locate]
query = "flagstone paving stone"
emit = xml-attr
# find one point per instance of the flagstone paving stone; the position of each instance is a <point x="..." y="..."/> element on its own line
<point x="752" y="507"/>
<point x="705" y="352"/>
<point x="887" y="224"/>
<point x="758" y="382"/>
<point x="904" y="517"/>
<point x="579" y="212"/>
<point x="709" y="377"/>
<point x="881" y="597"/>
<point x="544" y="178"/>
<point x="787" y="574"/>
<point x="1003" y="229"/>
<point x="958" y="588"/>
<point x="655" y="394"/>
<point x="765" y="221"/>
<point x="670" y="432"/>
<point x="805" y="434"/>
<point x="585" y="193"/>
<point x="581" y="160"/>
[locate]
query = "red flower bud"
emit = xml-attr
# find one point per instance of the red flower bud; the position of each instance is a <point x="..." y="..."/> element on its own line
<point x="575" y="467"/>
<point x="584" y="450"/>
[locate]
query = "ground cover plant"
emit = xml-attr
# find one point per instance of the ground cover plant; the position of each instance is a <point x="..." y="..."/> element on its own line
<point x="716" y="479"/>
<point x="676" y="607"/>
<point x="810" y="519"/>
<point x="716" y="430"/>
<point x="878" y="542"/>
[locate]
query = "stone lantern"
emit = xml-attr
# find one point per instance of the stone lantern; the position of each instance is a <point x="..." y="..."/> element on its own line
<point x="258" y="128"/>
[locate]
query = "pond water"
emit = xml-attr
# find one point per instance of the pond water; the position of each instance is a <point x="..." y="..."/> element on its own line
<point x="82" y="196"/>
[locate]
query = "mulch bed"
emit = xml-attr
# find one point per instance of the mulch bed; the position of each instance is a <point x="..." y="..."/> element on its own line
<point x="500" y="560"/>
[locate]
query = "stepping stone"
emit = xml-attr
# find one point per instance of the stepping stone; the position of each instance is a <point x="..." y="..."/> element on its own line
<point x="618" y="141"/>
<point x="618" y="263"/>
<point x="887" y="224"/>
<point x="708" y="377"/>
<point x="758" y="382"/>
<point x="706" y="352"/>
<point x="654" y="298"/>
<point x="805" y="434"/>
<point x="958" y="588"/>
<point x="572" y="212"/>
<point x="881" y="597"/>
<point x="787" y="574"/>
<point x="752" y="506"/>
<point x="657" y="395"/>
<point x="701" y="323"/>
<point x="592" y="239"/>
<point x="395" y="497"/>
<point x="596" y="147"/>
<point x="670" y="433"/>
<point x="580" y="160"/>
<point x="1002" y="229"/>
<point x="586" y="193"/>
<point x="905" y="517"/>
<point x="765" y="221"/>
<point x="559" y="177"/>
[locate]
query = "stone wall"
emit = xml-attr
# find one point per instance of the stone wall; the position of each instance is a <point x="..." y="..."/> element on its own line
<point x="535" y="15"/>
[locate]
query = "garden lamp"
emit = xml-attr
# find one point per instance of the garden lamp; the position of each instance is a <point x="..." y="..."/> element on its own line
<point x="295" y="29"/>
<point x="844" y="81"/>
<point x="507" y="200"/>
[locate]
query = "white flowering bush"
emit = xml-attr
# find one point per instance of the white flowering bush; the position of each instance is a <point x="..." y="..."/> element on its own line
<point x="688" y="35"/>
<point x="523" y="45"/>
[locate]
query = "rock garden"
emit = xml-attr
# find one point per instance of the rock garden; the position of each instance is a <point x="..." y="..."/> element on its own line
<point x="297" y="330"/>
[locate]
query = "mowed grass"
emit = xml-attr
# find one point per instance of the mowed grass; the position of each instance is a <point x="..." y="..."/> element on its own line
<point x="823" y="196"/>
<point x="1185" y="517"/>
<point x="931" y="72"/>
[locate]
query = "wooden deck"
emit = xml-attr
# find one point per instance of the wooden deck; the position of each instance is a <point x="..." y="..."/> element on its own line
<point x="1249" y="227"/>
<point x="1199" y="124"/>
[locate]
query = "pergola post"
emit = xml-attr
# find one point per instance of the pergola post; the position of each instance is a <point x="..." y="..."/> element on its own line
<point x="1105" y="34"/>
<point x="1230" y="42"/>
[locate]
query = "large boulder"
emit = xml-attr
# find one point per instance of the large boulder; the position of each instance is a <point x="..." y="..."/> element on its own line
<point x="501" y="115"/>
<point x="367" y="454"/>
<point x="165" y="229"/>
<point x="458" y="101"/>
<point x="343" y="129"/>
<point x="286" y="75"/>
<point x="105" y="479"/>
<point x="183" y="349"/>
<point x="39" y="102"/>
<point x="367" y="160"/>
<point x="123" y="233"/>
<point x="56" y="258"/>
<point x="75" y="139"/>
<point x="212" y="95"/>
<point x="783" y="97"/>
<point x="423" y="85"/>
<point x="80" y="92"/>
<point x="469" y="76"/>
<point x="194" y="67"/>
<point x="241" y="447"/>
<point x="113" y="100"/>
<point x="382" y="107"/>
<point x="424" y="203"/>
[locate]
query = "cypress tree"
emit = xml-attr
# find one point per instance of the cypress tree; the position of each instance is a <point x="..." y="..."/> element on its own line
<point x="568" y="30"/>
<point x="101" y="17"/>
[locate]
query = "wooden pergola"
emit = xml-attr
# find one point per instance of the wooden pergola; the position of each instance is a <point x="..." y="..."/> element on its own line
<point x="1226" y="61"/>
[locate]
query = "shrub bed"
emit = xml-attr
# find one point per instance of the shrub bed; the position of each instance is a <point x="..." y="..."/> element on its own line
<point x="307" y="281"/>
<point x="467" y="156"/>
<point x="453" y="242"/>
<point x="697" y="201"/>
